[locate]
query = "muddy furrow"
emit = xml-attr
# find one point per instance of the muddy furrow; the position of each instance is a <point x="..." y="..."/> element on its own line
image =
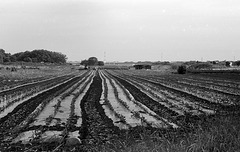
<point x="225" y="95"/>
<point x="219" y="107"/>
<point x="67" y="126"/>
<point x="27" y="93"/>
<point x="96" y="127"/>
<point x="118" y="119"/>
<point x="139" y="110"/>
<point x="208" y="93"/>
<point x="222" y="77"/>
<point x="27" y="85"/>
<point x="140" y="96"/>
<point x="23" y="110"/>
<point x="208" y="81"/>
<point x="119" y="105"/>
<point x="227" y="89"/>
<point x="209" y="86"/>
<point x="199" y="78"/>
<point x="171" y="100"/>
<point x="16" y="96"/>
<point x="64" y="106"/>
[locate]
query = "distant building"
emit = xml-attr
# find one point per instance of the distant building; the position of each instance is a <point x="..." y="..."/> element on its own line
<point x="142" y="66"/>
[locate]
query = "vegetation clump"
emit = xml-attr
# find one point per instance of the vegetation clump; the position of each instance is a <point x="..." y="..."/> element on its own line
<point x="200" y="66"/>
<point x="92" y="61"/>
<point x="182" y="69"/>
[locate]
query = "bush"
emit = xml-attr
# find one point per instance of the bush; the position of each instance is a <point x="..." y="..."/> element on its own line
<point x="227" y="64"/>
<point x="182" y="69"/>
<point x="237" y="63"/>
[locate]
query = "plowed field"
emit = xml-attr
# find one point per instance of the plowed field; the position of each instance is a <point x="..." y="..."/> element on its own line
<point x="101" y="106"/>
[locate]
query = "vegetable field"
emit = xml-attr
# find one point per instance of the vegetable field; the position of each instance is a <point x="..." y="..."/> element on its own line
<point x="94" y="107"/>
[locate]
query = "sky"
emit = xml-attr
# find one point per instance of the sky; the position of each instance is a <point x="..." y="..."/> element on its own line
<point x="123" y="30"/>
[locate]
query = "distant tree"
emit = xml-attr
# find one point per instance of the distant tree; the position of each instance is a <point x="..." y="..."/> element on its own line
<point x="227" y="63"/>
<point x="2" y="54"/>
<point x="182" y="69"/>
<point x="18" y="56"/>
<point x="13" y="58"/>
<point x="92" y="61"/>
<point x="27" y="59"/>
<point x="35" y="60"/>
<point x="100" y="63"/>
<point x="84" y="63"/>
<point x="237" y="63"/>
<point x="6" y="57"/>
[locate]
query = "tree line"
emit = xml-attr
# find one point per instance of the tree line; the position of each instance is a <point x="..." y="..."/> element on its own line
<point x="36" y="56"/>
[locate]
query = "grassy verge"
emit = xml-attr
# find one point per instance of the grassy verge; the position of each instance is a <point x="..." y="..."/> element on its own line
<point x="216" y="134"/>
<point x="34" y="73"/>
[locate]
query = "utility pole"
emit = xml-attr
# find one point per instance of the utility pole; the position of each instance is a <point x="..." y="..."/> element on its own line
<point x="104" y="59"/>
<point x="161" y="57"/>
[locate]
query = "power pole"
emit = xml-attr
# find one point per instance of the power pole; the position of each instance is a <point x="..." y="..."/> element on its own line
<point x="161" y="57"/>
<point x="104" y="59"/>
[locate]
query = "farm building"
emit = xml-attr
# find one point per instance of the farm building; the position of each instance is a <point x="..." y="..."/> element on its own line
<point x="142" y="66"/>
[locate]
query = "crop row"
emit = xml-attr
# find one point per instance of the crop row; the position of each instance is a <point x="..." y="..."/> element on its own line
<point x="38" y="126"/>
<point x="206" y="97"/>
<point x="209" y="92"/>
<point x="228" y="86"/>
<point x="29" y="109"/>
<point x="13" y="98"/>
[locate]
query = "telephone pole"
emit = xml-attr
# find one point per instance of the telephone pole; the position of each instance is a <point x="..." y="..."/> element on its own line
<point x="104" y="59"/>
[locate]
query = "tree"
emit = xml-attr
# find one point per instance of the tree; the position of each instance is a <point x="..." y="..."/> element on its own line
<point x="100" y="63"/>
<point x="4" y="57"/>
<point x="13" y="58"/>
<point x="182" y="69"/>
<point x="237" y="63"/>
<point x="2" y="54"/>
<point x="227" y="63"/>
<point x="27" y="59"/>
<point x="92" y="61"/>
<point x="85" y="63"/>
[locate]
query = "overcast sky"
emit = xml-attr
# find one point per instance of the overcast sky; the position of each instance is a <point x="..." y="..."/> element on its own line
<point x="127" y="30"/>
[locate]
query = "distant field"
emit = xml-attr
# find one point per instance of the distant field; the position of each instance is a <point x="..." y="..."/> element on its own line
<point x="30" y="73"/>
<point x="217" y="70"/>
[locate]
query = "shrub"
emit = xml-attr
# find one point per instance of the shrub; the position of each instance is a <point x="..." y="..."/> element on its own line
<point x="182" y="69"/>
<point x="237" y="63"/>
<point x="227" y="64"/>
